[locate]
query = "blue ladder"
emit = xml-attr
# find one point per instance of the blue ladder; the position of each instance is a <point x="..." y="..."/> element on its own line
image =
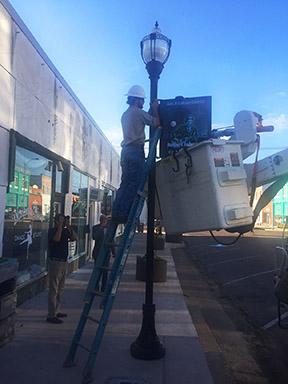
<point x="115" y="273"/>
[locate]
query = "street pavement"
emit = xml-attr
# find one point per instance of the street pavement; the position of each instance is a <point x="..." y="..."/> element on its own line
<point x="39" y="348"/>
<point x="234" y="295"/>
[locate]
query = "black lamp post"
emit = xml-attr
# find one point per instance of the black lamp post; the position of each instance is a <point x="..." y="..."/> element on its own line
<point x="155" y="50"/>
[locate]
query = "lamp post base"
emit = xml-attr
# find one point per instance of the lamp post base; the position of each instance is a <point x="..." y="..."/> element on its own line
<point x="147" y="346"/>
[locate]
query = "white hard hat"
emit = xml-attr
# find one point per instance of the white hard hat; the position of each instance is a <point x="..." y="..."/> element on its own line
<point x="136" y="91"/>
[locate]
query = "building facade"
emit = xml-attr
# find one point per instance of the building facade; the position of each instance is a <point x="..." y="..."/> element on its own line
<point x="275" y="214"/>
<point x="280" y="207"/>
<point x="54" y="158"/>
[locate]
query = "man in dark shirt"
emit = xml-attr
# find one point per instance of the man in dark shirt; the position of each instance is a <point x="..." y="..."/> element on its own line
<point x="98" y="234"/>
<point x="58" y="238"/>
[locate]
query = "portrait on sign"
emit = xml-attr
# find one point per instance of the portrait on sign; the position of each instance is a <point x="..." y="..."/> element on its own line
<point x="185" y="122"/>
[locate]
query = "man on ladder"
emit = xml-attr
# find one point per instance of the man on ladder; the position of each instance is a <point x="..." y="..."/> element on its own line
<point x="133" y="123"/>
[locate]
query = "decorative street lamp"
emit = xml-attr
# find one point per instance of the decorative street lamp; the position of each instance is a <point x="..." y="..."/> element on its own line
<point x="155" y="50"/>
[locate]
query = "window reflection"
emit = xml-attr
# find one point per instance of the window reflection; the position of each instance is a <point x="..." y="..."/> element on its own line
<point x="27" y="214"/>
<point x="106" y="203"/>
<point x="79" y="211"/>
<point x="58" y="184"/>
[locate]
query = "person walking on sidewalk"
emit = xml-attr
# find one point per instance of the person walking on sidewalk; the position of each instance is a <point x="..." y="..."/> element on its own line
<point x="133" y="123"/>
<point x="98" y="234"/>
<point x="58" y="238"/>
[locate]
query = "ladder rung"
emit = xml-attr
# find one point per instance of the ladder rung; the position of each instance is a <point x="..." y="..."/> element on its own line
<point x="142" y="193"/>
<point x="112" y="244"/>
<point x="105" y="268"/>
<point x="83" y="346"/>
<point x="97" y="293"/>
<point x="92" y="319"/>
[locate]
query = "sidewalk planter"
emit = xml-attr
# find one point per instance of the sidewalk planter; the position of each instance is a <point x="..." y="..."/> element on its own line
<point x="176" y="238"/>
<point x="159" y="242"/>
<point x="8" y="298"/>
<point x="160" y="269"/>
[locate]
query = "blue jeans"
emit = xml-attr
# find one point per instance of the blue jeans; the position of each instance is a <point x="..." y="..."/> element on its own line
<point x="132" y="163"/>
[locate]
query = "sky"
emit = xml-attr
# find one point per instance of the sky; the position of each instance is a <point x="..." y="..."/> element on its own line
<point x="233" y="50"/>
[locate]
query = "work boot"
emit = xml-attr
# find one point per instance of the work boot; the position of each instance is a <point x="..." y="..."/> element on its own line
<point x="54" y="320"/>
<point x="59" y="314"/>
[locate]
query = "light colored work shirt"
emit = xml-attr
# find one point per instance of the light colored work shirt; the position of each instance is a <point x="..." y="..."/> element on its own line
<point x="133" y="123"/>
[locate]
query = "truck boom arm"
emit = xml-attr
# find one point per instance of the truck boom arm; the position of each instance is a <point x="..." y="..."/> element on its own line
<point x="269" y="169"/>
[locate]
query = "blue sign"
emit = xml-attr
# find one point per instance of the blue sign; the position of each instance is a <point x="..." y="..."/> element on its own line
<point x="185" y="122"/>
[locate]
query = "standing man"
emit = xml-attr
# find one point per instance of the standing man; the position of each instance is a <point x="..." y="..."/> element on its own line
<point x="58" y="238"/>
<point x="133" y="123"/>
<point x="98" y="234"/>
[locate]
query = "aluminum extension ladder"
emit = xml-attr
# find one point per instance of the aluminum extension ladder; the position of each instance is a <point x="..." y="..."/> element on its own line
<point x="115" y="273"/>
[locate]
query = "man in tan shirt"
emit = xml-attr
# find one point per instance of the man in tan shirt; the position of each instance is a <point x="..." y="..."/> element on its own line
<point x="133" y="123"/>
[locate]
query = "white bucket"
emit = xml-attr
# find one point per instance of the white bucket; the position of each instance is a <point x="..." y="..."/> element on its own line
<point x="210" y="195"/>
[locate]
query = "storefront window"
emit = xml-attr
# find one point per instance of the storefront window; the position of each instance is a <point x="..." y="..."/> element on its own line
<point x="79" y="211"/>
<point x="27" y="214"/>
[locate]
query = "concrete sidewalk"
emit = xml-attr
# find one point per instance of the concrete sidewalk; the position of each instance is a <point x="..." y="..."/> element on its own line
<point x="39" y="348"/>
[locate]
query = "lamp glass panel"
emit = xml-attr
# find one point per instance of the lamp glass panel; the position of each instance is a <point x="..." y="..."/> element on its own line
<point x="157" y="49"/>
<point x="161" y="50"/>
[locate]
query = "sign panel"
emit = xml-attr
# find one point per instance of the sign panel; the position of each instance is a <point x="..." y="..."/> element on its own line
<point x="185" y="122"/>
